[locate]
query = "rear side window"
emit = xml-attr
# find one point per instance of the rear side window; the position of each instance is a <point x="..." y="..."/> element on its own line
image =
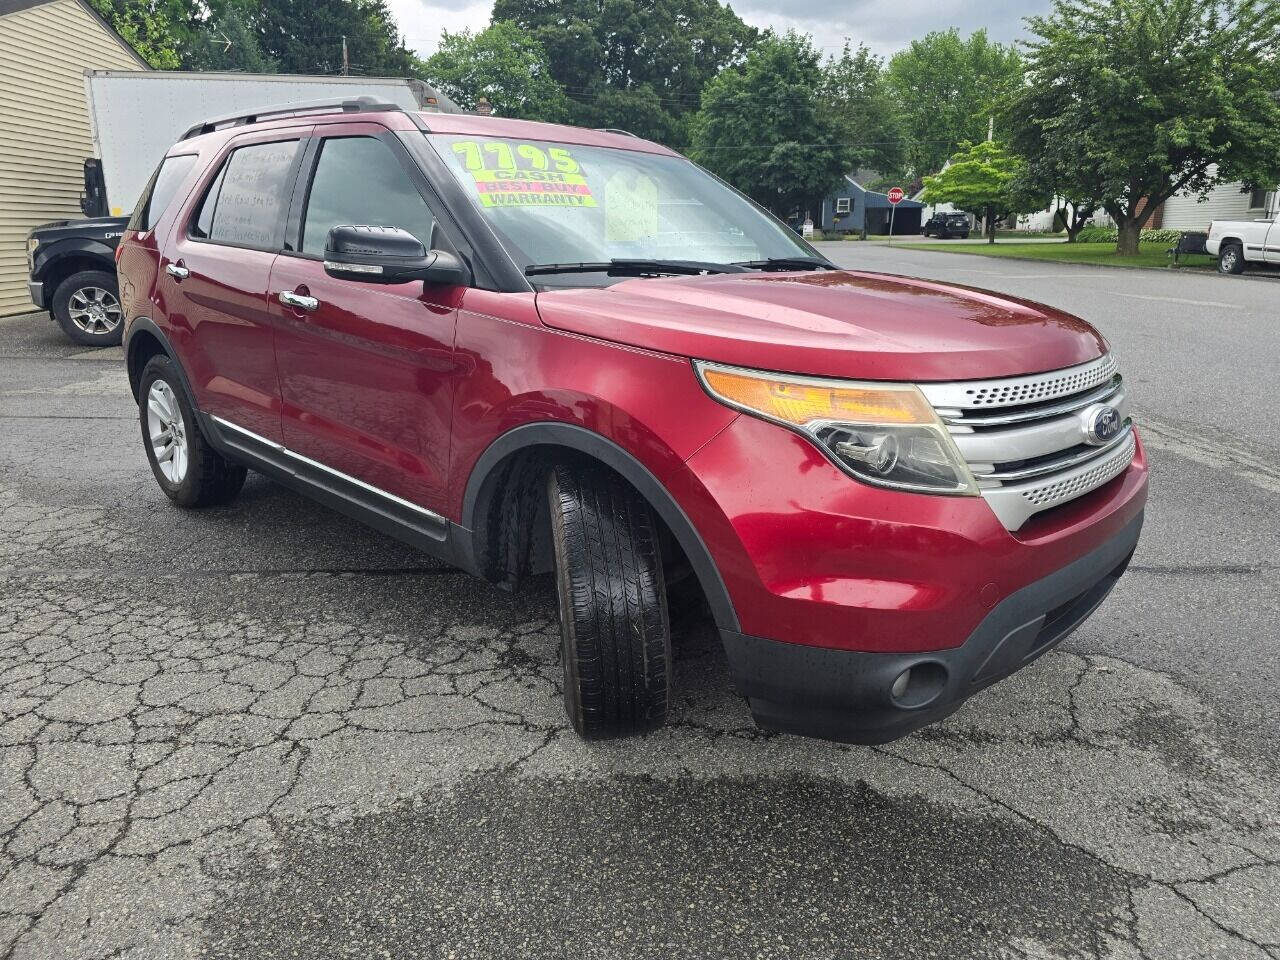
<point x="159" y="192"/>
<point x="359" y="181"/>
<point x="245" y="204"/>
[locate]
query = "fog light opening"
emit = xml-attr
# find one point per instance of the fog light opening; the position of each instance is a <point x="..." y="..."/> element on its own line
<point x="918" y="685"/>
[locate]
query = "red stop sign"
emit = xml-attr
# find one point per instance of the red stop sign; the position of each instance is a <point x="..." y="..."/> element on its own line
<point x="895" y="195"/>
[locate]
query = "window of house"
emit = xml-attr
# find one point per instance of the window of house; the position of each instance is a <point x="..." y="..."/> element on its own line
<point x="245" y="204"/>
<point x="842" y="204"/>
<point x="359" y="181"/>
<point x="1258" y="199"/>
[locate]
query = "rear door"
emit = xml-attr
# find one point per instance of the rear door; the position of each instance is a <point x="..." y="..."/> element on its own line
<point x="367" y="376"/>
<point x="217" y="276"/>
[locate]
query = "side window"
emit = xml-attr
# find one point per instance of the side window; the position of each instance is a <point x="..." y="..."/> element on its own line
<point x="159" y="192"/>
<point x="245" y="204"/>
<point x="359" y="181"/>
<point x="204" y="219"/>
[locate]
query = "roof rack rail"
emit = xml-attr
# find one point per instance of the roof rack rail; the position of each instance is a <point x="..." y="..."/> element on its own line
<point x="620" y="132"/>
<point x="364" y="104"/>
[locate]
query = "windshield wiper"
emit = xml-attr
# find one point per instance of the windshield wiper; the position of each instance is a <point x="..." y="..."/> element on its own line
<point x="788" y="263"/>
<point x="635" y="268"/>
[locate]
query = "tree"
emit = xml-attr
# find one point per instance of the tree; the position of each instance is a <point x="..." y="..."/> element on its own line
<point x="226" y="41"/>
<point x="305" y="36"/>
<point x="855" y="96"/>
<point x="147" y="29"/>
<point x="980" y="178"/>
<point x="1153" y="97"/>
<point x="636" y="64"/>
<point x="763" y="127"/>
<point x="502" y="63"/>
<point x="945" y="86"/>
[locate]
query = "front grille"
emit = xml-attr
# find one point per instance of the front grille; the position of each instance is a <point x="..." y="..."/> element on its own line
<point x="1025" y="438"/>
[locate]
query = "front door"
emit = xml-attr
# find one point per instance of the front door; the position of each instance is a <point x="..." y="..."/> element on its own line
<point x="366" y="374"/>
<point x="217" y="282"/>
<point x="1271" y="248"/>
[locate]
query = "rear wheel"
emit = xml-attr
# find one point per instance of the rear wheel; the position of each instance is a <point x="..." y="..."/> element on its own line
<point x="616" y="639"/>
<point x="87" y="307"/>
<point x="1231" y="259"/>
<point x="190" y="472"/>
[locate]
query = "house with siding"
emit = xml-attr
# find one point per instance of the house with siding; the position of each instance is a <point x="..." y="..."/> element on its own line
<point x="45" y="48"/>
<point x="851" y="207"/>
<point x="1226" y="201"/>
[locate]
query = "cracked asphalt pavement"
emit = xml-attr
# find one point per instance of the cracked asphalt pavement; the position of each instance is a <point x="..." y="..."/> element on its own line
<point x="263" y="731"/>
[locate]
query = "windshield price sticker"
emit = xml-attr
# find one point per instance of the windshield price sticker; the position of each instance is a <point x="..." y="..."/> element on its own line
<point x="510" y="174"/>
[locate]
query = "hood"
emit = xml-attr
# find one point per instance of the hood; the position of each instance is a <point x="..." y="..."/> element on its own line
<point x="833" y="323"/>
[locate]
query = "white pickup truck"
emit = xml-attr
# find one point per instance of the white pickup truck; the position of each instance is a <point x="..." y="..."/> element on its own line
<point x="1237" y="242"/>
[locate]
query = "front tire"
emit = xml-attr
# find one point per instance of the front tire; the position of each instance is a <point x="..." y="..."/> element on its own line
<point x="616" y="638"/>
<point x="87" y="307"/>
<point x="190" y="472"/>
<point x="1231" y="259"/>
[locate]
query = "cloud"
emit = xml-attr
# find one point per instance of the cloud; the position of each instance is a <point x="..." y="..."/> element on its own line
<point x="885" y="26"/>
<point x="422" y="20"/>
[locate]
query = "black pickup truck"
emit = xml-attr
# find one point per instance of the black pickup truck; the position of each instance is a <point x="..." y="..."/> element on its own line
<point x="73" y="276"/>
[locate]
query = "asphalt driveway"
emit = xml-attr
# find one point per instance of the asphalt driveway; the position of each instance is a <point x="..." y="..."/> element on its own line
<point x="263" y="731"/>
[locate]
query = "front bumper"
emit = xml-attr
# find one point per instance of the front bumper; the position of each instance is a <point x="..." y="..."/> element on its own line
<point x="848" y="695"/>
<point x="35" y="290"/>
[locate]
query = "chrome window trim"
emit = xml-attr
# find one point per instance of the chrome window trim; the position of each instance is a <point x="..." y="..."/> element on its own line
<point x="345" y="477"/>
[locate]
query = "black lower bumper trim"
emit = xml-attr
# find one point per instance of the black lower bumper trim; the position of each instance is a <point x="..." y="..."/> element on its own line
<point x="846" y="695"/>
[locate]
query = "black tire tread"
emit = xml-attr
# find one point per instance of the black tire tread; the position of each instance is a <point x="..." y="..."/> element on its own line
<point x="617" y="639"/>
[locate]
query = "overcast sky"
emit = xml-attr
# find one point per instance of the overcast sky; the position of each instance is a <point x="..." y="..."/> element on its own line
<point x="883" y="25"/>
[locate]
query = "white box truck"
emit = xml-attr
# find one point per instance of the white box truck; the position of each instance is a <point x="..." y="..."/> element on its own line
<point x="136" y="115"/>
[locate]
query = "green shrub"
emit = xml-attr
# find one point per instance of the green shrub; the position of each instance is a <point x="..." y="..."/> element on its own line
<point x="1112" y="235"/>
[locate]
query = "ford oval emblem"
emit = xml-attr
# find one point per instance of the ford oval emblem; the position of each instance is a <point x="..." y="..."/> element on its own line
<point x="1101" y="424"/>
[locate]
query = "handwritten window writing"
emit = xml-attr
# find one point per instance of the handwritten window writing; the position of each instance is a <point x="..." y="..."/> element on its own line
<point x="249" y="195"/>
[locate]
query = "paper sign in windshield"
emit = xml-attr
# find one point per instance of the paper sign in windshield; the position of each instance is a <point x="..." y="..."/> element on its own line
<point x="515" y="188"/>
<point x="509" y="174"/>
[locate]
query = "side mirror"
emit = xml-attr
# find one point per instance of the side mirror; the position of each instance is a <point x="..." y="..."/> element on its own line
<point x="389" y="255"/>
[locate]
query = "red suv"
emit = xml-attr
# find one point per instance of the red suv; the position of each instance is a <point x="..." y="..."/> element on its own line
<point x="529" y="348"/>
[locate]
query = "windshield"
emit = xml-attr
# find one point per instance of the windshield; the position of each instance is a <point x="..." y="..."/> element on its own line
<point x="559" y="203"/>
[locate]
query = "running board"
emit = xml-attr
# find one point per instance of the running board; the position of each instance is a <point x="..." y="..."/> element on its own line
<point x="393" y="515"/>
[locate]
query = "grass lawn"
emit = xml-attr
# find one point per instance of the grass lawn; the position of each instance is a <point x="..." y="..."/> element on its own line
<point x="1100" y="254"/>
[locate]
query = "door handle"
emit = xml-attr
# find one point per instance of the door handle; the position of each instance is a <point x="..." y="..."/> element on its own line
<point x="298" y="301"/>
<point x="177" y="271"/>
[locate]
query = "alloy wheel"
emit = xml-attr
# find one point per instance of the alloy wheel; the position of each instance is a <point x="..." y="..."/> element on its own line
<point x="94" y="310"/>
<point x="167" y="431"/>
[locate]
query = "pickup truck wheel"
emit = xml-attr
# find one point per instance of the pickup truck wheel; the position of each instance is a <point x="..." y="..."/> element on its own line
<point x="616" y="639"/>
<point x="1231" y="259"/>
<point x="190" y="472"/>
<point x="87" y="307"/>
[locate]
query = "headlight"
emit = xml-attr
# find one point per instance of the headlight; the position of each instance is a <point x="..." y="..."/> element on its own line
<point x="32" y="243"/>
<point x="883" y="433"/>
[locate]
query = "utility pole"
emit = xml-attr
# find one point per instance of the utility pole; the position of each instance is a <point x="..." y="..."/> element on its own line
<point x="346" y="64"/>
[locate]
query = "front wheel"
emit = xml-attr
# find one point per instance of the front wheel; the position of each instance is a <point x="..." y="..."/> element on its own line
<point x="1231" y="259"/>
<point x="616" y="639"/>
<point x="190" y="472"/>
<point x="87" y="307"/>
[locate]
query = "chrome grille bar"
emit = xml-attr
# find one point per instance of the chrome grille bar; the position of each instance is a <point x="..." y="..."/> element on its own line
<point x="1028" y="440"/>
